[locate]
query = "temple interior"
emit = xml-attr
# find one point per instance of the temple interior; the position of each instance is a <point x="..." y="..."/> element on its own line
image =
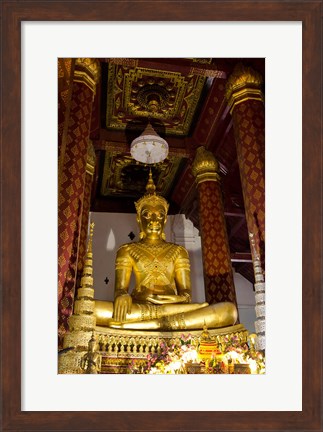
<point x="196" y="126"/>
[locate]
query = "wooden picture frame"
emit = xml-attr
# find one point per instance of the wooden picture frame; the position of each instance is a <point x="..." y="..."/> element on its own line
<point x="310" y="14"/>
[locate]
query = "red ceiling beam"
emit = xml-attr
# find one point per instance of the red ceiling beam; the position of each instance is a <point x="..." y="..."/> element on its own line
<point x="122" y="147"/>
<point x="185" y="143"/>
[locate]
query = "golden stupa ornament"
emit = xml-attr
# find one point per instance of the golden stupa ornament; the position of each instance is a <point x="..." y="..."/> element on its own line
<point x="205" y="167"/>
<point x="83" y="321"/>
<point x="243" y="84"/>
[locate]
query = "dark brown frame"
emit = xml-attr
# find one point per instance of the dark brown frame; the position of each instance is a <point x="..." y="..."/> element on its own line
<point x="310" y="13"/>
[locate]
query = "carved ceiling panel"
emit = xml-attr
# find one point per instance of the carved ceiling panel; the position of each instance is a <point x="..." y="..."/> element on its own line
<point x="123" y="176"/>
<point x="167" y="96"/>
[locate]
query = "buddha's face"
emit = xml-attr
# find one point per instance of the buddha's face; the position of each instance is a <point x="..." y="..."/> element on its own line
<point x="152" y="219"/>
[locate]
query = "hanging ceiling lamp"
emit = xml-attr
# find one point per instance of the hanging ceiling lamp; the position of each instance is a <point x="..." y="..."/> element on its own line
<point x="149" y="147"/>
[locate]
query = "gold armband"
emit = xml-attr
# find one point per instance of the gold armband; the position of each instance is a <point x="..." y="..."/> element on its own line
<point x="123" y="264"/>
<point x="182" y="263"/>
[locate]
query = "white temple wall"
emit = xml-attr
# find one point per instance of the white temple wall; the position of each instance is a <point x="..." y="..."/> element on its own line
<point x="185" y="234"/>
<point x="111" y="231"/>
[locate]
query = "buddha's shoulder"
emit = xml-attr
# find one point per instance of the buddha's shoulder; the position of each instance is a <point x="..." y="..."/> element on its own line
<point x="126" y="247"/>
<point x="180" y="250"/>
<point x="132" y="247"/>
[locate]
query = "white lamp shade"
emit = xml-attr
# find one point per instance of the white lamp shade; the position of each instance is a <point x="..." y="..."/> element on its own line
<point x="149" y="148"/>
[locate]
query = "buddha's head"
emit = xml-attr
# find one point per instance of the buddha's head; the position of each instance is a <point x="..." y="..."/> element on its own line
<point x="151" y="213"/>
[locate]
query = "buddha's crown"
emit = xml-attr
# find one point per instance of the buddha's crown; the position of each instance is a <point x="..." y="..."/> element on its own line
<point x="151" y="197"/>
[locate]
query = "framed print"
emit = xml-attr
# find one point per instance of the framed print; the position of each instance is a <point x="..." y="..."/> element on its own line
<point x="29" y="145"/>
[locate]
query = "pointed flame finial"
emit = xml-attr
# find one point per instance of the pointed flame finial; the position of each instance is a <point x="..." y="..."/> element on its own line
<point x="150" y="187"/>
<point x="151" y="196"/>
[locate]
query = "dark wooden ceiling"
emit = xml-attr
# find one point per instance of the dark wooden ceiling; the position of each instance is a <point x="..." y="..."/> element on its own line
<point x="190" y="110"/>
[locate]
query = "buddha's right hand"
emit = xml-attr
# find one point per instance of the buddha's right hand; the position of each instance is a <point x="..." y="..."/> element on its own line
<point x="121" y="306"/>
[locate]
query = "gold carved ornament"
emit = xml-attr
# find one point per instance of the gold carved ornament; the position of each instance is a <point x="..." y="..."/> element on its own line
<point x="87" y="71"/>
<point x="151" y="197"/>
<point x="243" y="84"/>
<point x="138" y="91"/>
<point x="91" y="160"/>
<point x="205" y="167"/>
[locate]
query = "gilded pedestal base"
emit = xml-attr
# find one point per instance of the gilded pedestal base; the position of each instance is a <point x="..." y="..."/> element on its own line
<point x="69" y="362"/>
<point x="119" y="348"/>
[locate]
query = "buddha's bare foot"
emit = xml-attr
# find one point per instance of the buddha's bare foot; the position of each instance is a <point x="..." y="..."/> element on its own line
<point x="115" y="324"/>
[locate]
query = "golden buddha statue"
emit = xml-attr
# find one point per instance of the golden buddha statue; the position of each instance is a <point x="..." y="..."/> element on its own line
<point x="91" y="361"/>
<point x="161" y="299"/>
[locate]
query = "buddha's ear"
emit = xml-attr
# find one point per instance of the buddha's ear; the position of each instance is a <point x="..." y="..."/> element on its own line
<point x="142" y="235"/>
<point x="139" y="223"/>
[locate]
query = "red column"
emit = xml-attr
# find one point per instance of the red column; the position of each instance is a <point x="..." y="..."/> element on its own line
<point x="72" y="186"/>
<point x="247" y="109"/>
<point x="65" y="86"/>
<point x="218" y="275"/>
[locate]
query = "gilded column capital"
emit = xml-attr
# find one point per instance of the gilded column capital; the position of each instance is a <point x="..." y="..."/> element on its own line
<point x="205" y="167"/>
<point x="87" y="71"/>
<point x="243" y="84"/>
